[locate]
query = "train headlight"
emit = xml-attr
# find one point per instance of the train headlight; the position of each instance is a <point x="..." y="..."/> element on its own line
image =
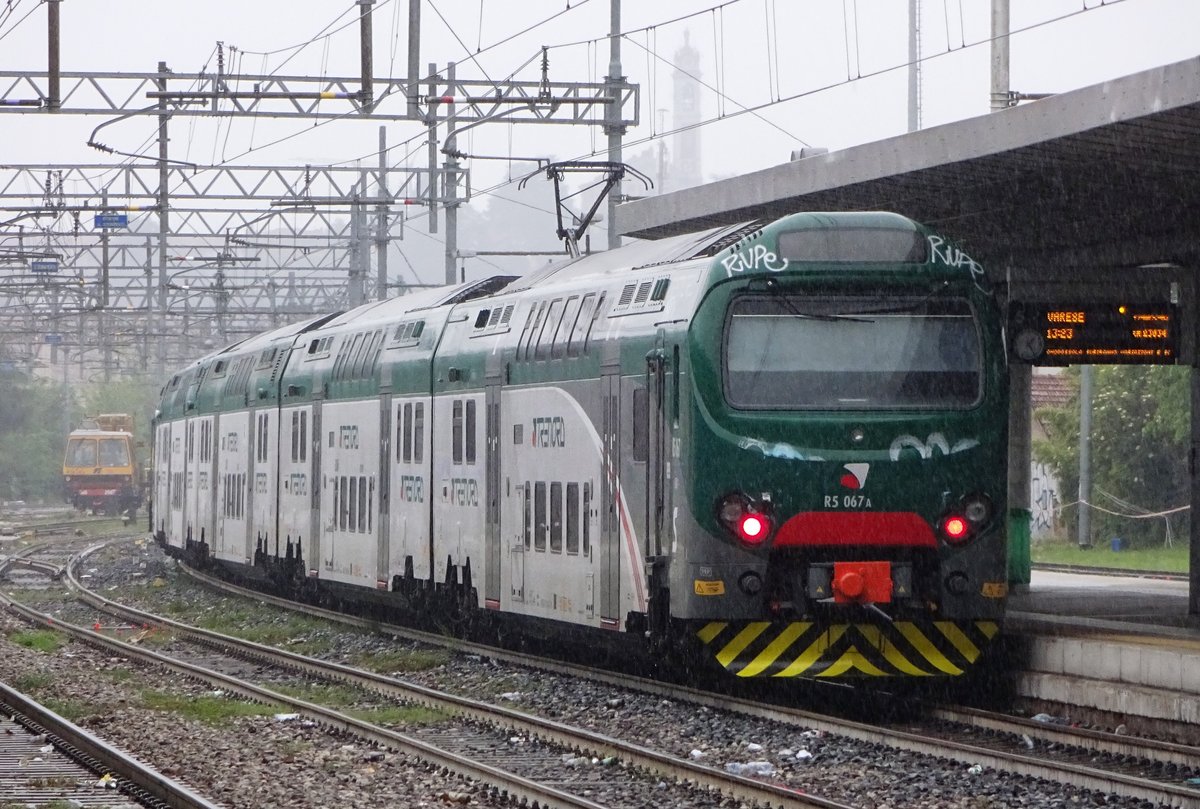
<point x="747" y="520"/>
<point x="977" y="508"/>
<point x="732" y="509"/>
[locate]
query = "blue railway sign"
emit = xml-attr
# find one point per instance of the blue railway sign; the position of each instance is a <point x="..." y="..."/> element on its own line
<point x="112" y="220"/>
<point x="53" y="339"/>
<point x="45" y="265"/>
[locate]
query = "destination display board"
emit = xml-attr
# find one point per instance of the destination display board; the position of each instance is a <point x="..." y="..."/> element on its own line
<point x="1115" y="333"/>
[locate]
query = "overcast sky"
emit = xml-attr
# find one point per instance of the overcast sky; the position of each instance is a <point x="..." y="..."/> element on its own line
<point x="840" y="61"/>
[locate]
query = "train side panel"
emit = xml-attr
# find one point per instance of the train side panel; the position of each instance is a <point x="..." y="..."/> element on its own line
<point x="350" y="492"/>
<point x="296" y="486"/>
<point x="549" y="482"/>
<point x="264" y="488"/>
<point x="232" y="487"/>
<point x="173" y="489"/>
<point x="201" y="485"/>
<point x="459" y="496"/>
<point x="410" y="488"/>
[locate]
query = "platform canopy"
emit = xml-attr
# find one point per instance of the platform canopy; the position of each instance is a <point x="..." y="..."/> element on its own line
<point x="1105" y="176"/>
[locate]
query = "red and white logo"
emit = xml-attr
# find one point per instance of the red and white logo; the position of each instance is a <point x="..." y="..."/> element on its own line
<point x="856" y="475"/>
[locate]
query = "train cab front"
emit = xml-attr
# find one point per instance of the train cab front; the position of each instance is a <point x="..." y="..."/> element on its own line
<point x="850" y="431"/>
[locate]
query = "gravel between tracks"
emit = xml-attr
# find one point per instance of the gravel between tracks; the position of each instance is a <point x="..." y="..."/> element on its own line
<point x="333" y="771"/>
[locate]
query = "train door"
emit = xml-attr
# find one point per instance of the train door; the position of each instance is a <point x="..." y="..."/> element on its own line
<point x="383" y="545"/>
<point x="233" y="484"/>
<point x="610" y="509"/>
<point x="264" y="493"/>
<point x="654" y="428"/>
<point x="176" y="435"/>
<point x="296" y="482"/>
<point x="492" y="549"/>
<point x="313" y="551"/>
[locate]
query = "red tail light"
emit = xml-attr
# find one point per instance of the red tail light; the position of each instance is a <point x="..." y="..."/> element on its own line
<point x="955" y="528"/>
<point x="744" y="518"/>
<point x="753" y="528"/>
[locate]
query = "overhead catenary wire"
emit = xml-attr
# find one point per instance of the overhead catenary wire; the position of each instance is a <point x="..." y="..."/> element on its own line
<point x="17" y="24"/>
<point x="657" y="134"/>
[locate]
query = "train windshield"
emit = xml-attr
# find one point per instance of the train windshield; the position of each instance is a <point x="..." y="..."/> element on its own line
<point x="81" y="452"/>
<point x="114" y="452"/>
<point x="865" y="353"/>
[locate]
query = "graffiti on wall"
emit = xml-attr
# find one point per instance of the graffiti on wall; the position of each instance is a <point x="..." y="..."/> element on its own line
<point x="1044" y="501"/>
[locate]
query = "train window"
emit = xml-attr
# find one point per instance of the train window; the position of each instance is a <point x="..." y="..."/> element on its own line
<point x="339" y="363"/>
<point x="362" y="504"/>
<point x="572" y="518"/>
<point x="587" y="340"/>
<point x="579" y="327"/>
<point x="641" y="446"/>
<point x="532" y="329"/>
<point x="561" y="336"/>
<point x="587" y="519"/>
<point x="527" y="521"/>
<point x="456" y="430"/>
<point x="660" y="289"/>
<point x="353" y="369"/>
<point x="854" y="245"/>
<point x="556" y="515"/>
<point x="264" y="421"/>
<point x="549" y="327"/>
<point x="81" y="452"/>
<point x="343" y="503"/>
<point x="371" y="505"/>
<point x="470" y="431"/>
<point x="418" y="432"/>
<point x="539" y="516"/>
<point x="295" y="436"/>
<point x="407" y="434"/>
<point x="481" y="319"/>
<point x="191" y="442"/>
<point x="851" y="353"/>
<point x="113" y="452"/>
<point x="353" y="504"/>
<point x="376" y="352"/>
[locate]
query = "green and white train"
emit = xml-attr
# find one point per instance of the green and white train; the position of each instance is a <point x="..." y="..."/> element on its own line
<point x="781" y="444"/>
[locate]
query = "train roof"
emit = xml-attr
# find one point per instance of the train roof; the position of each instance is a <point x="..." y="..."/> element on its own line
<point x="635" y="255"/>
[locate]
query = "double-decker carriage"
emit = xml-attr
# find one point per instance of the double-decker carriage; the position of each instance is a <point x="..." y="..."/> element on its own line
<point x="782" y="445"/>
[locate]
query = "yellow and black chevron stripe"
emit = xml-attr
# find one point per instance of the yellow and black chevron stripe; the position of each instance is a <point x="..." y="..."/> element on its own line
<point x="806" y="649"/>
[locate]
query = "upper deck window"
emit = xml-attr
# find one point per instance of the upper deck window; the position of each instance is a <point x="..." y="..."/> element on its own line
<point x="854" y="245"/>
<point x="865" y="353"/>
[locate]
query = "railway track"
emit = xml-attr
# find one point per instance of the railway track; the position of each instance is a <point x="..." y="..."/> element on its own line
<point x="45" y="758"/>
<point x="521" y="756"/>
<point x="1118" y="765"/>
<point x="55" y="760"/>
<point x="1133" y="768"/>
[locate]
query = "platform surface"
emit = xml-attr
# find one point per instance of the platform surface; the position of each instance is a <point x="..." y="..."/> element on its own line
<point x="1135" y="604"/>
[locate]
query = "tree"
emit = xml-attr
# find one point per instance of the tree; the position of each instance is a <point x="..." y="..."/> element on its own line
<point x="34" y="415"/>
<point x="1141" y="426"/>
